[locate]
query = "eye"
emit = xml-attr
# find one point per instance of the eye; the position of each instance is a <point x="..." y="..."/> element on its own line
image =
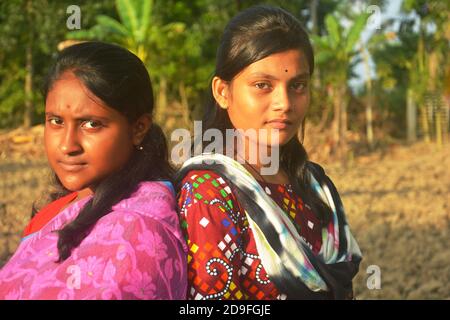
<point x="55" y="121"/>
<point x="262" y="85"/>
<point x="299" y="86"/>
<point x="92" y="124"/>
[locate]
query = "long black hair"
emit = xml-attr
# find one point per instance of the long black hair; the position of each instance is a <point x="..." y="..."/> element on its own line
<point x="118" y="78"/>
<point x="252" y="35"/>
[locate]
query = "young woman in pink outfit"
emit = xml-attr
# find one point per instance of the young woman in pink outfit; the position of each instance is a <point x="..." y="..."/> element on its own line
<point x="110" y="231"/>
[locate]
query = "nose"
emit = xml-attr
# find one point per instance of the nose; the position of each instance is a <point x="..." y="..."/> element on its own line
<point x="70" y="144"/>
<point x="281" y="101"/>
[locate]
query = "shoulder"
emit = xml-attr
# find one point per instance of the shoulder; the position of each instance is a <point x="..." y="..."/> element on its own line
<point x="199" y="175"/>
<point x="205" y="184"/>
<point x="319" y="173"/>
<point x="204" y="192"/>
<point x="149" y="198"/>
<point x="208" y="208"/>
<point x="324" y="183"/>
<point x="315" y="168"/>
<point x="151" y="205"/>
<point x="150" y="190"/>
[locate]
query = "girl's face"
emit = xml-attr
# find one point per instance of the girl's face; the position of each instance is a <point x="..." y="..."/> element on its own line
<point x="272" y="93"/>
<point x="85" y="140"/>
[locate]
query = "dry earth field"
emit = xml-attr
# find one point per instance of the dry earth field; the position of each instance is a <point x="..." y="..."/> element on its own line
<point x="397" y="204"/>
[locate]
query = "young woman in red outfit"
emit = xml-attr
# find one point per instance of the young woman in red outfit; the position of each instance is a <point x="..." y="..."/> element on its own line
<point x="253" y="235"/>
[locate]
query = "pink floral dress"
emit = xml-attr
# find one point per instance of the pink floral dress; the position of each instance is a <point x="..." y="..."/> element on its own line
<point x="135" y="252"/>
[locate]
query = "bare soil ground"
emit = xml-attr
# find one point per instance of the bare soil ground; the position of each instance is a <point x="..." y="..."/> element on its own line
<point x="397" y="203"/>
<point x="398" y="209"/>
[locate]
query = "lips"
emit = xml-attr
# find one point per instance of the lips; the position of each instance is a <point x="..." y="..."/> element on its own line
<point x="279" y="123"/>
<point x="72" y="166"/>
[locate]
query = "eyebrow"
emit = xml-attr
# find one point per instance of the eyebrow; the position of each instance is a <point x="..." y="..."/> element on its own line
<point x="81" y="117"/>
<point x="304" y="75"/>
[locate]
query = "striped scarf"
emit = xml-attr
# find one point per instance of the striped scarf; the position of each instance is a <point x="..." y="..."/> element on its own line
<point x="287" y="259"/>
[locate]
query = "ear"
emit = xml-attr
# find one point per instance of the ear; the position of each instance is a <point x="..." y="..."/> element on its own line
<point x="220" y="91"/>
<point x="140" y="128"/>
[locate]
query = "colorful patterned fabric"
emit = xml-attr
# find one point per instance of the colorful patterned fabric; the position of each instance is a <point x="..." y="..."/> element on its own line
<point x="137" y="251"/>
<point x="205" y="198"/>
<point x="220" y="254"/>
<point x="303" y="218"/>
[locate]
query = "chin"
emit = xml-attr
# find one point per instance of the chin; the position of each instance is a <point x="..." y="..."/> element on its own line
<point x="282" y="140"/>
<point x="72" y="185"/>
<point x="73" y="188"/>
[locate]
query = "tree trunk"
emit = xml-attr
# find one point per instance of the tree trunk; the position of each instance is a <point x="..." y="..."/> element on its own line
<point x="28" y="88"/>
<point x="324" y="117"/>
<point x="184" y="104"/>
<point x="423" y="99"/>
<point x="369" y="121"/>
<point x="313" y="9"/>
<point x="336" y="117"/>
<point x="441" y="119"/>
<point x="339" y="125"/>
<point x="369" y="117"/>
<point x="438" y="123"/>
<point x="162" y="101"/>
<point x="238" y="5"/>
<point x="411" y="117"/>
<point x="425" y="127"/>
<point x="446" y="117"/>
<point x="28" y="114"/>
<point x="344" y="122"/>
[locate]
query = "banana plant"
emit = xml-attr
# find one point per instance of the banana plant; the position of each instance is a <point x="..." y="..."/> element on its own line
<point x="334" y="54"/>
<point x="135" y="29"/>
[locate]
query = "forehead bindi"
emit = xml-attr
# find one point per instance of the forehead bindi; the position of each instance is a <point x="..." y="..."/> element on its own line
<point x="69" y="97"/>
<point x="288" y="64"/>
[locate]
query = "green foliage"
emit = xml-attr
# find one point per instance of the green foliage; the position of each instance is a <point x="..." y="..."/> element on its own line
<point x="133" y="31"/>
<point x="178" y="41"/>
<point x="336" y="49"/>
<point x="12" y="97"/>
<point x="354" y="34"/>
<point x="42" y="25"/>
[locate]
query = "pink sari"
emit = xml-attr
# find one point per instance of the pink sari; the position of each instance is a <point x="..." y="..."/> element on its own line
<point x="135" y="252"/>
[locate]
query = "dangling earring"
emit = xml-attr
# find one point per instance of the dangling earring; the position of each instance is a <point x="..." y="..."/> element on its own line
<point x="140" y="148"/>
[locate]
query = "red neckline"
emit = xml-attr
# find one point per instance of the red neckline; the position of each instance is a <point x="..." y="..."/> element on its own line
<point x="48" y="213"/>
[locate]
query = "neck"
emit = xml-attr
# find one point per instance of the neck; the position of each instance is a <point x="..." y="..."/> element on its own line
<point x="257" y="156"/>
<point x="84" y="193"/>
